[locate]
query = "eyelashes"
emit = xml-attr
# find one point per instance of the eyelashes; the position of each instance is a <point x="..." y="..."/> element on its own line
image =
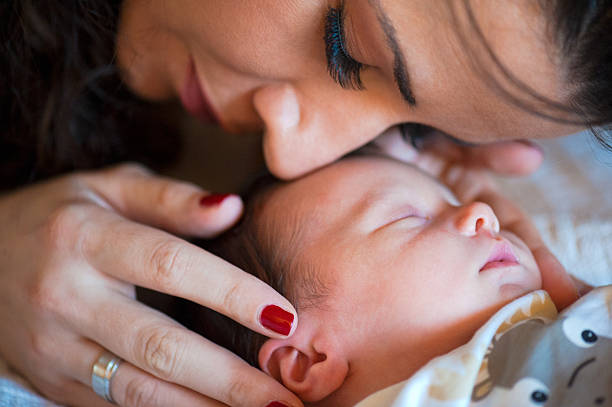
<point x="341" y="66"/>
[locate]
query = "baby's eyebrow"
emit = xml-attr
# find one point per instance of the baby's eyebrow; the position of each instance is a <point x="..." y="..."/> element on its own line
<point x="363" y="209"/>
<point x="360" y="213"/>
<point x="382" y="200"/>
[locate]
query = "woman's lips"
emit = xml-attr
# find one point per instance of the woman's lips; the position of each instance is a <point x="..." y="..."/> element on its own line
<point x="194" y="100"/>
<point x="501" y="256"/>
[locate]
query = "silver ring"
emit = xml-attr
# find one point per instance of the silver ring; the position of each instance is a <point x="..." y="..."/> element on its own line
<point x="102" y="373"/>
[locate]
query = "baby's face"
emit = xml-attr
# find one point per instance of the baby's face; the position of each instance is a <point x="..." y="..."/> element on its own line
<point x="405" y="267"/>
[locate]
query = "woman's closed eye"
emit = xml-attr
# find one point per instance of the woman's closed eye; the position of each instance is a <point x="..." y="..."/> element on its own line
<point x="342" y="67"/>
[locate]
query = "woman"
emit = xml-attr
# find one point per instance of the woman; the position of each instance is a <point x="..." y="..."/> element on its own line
<point x="320" y="78"/>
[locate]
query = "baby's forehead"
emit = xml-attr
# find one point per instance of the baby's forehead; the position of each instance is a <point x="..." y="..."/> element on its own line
<point x="365" y="179"/>
<point x="338" y="195"/>
<point x="391" y="173"/>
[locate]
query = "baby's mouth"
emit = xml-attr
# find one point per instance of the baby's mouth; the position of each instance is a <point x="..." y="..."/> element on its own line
<point x="501" y="256"/>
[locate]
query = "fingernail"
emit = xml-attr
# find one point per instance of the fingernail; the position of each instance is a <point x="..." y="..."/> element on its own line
<point x="212" y="200"/>
<point x="277" y="404"/>
<point x="277" y="319"/>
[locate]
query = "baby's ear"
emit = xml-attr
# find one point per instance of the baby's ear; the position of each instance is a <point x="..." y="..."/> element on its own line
<point x="311" y="372"/>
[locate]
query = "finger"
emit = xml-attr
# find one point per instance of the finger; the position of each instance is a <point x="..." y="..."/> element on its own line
<point x="466" y="184"/>
<point x="555" y="280"/>
<point x="504" y="158"/>
<point x="75" y="393"/>
<point x="156" y="260"/>
<point x="582" y="287"/>
<point x="140" y="394"/>
<point x="130" y="386"/>
<point x="179" y="207"/>
<point x="163" y="348"/>
<point x="392" y="143"/>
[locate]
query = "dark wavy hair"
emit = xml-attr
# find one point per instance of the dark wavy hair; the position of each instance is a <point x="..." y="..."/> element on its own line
<point x="257" y="246"/>
<point x="62" y="103"/>
<point x="581" y="31"/>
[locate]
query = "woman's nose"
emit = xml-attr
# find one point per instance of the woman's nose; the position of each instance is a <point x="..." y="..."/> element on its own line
<point x="306" y="130"/>
<point x="279" y="108"/>
<point x="476" y="218"/>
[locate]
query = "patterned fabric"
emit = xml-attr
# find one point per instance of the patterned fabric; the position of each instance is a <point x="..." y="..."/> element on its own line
<point x="525" y="355"/>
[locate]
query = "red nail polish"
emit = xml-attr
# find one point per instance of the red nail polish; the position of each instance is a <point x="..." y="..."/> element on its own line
<point x="212" y="200"/>
<point x="277" y="319"/>
<point x="277" y="404"/>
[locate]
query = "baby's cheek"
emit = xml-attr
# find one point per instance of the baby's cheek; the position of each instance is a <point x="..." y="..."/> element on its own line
<point x="534" y="275"/>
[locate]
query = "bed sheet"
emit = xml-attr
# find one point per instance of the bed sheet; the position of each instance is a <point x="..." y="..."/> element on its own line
<point x="569" y="199"/>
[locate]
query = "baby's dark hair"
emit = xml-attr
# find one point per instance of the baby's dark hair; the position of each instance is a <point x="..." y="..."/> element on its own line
<point x="257" y="246"/>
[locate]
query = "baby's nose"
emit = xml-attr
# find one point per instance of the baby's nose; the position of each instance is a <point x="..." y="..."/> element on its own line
<point x="475" y="218"/>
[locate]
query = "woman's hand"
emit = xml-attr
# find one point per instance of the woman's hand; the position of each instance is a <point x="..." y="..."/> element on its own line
<point x="71" y="251"/>
<point x="438" y="150"/>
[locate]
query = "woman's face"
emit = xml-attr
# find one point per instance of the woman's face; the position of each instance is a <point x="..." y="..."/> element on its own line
<point x="264" y="65"/>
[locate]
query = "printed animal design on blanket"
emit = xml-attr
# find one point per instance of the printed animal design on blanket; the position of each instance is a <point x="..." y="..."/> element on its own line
<point x="564" y="363"/>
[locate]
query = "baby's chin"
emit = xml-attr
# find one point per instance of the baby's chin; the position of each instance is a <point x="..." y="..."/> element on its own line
<point x="530" y="279"/>
<point x="513" y="291"/>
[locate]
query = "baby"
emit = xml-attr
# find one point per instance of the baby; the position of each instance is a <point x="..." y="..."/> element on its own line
<point x="385" y="268"/>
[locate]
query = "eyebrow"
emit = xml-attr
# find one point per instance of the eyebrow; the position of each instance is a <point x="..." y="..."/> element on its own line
<point x="400" y="71"/>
